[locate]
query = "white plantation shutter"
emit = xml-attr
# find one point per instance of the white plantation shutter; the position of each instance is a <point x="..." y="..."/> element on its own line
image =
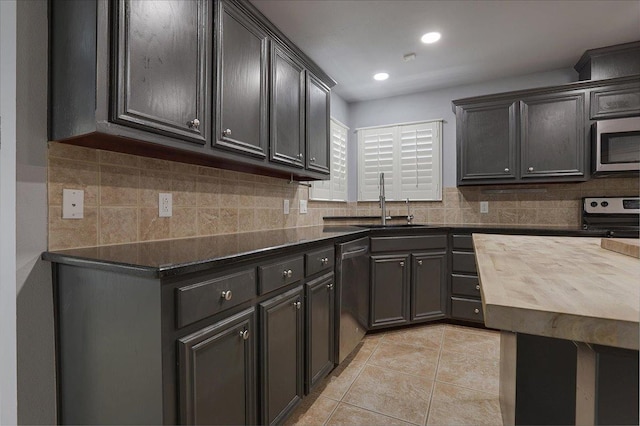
<point x="409" y="155"/>
<point x="420" y="161"/>
<point x="334" y="189"/>
<point x="376" y="149"/>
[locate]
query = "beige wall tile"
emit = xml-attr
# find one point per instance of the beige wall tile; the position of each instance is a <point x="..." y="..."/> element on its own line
<point x="207" y="189"/>
<point x="72" y="152"/>
<point x="118" y="159"/>
<point x="228" y="221"/>
<point x="70" y="174"/>
<point x="151" y="226"/>
<point x="184" y="222"/>
<point x="245" y="220"/>
<point x="119" y="186"/>
<point x="207" y="221"/>
<point x="118" y="225"/>
<point x="71" y="233"/>
<point x="152" y="183"/>
<point x="183" y="188"/>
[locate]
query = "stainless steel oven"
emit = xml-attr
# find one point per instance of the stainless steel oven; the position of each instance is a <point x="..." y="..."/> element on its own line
<point x="618" y="216"/>
<point x="616" y="145"/>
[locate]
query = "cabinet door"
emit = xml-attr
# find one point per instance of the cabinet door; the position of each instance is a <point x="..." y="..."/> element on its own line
<point x="161" y="67"/>
<point x="389" y="290"/>
<point x="281" y="344"/>
<point x="318" y="113"/>
<point x="320" y="309"/>
<point x="217" y="373"/>
<point x="428" y="290"/>
<point x="241" y="112"/>
<point x="486" y="141"/>
<point x="553" y="136"/>
<point x="287" y="108"/>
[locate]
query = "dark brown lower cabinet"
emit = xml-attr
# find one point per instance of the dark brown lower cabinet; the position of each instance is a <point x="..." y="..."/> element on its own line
<point x="320" y="313"/>
<point x="281" y="349"/>
<point x="389" y="290"/>
<point x="428" y="294"/>
<point x="217" y="373"/>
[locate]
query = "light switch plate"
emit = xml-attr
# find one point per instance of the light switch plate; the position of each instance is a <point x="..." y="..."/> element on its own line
<point x="286" y="206"/>
<point x="303" y="206"/>
<point x="484" y="207"/>
<point x="165" y="205"/>
<point x="72" y="204"/>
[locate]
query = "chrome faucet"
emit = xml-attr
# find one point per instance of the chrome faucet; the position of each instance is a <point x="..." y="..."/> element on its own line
<point x="383" y="212"/>
<point x="409" y="215"/>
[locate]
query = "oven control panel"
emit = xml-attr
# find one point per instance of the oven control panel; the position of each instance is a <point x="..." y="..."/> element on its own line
<point x="612" y="205"/>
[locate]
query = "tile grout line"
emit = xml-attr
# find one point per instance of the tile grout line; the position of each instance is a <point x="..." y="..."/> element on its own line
<point x="433" y="385"/>
<point x="379" y="413"/>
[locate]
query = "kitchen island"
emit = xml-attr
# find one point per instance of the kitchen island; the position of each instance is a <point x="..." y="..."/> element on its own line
<point x="569" y="312"/>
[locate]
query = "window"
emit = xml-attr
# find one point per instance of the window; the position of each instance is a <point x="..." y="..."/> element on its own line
<point x="409" y="155"/>
<point x="334" y="189"/>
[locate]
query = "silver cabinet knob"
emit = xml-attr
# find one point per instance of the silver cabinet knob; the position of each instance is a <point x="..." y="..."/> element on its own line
<point x="420" y="262"/>
<point x="476" y="311"/>
<point x="530" y="169"/>
<point x="324" y="261"/>
<point x="313" y="159"/>
<point x="402" y="264"/>
<point x="226" y="295"/>
<point x="244" y="334"/>
<point x="477" y="286"/>
<point x="287" y="273"/>
<point x="226" y="132"/>
<point x="330" y="286"/>
<point x="300" y="156"/>
<point x="506" y="170"/>
<point x="194" y="124"/>
<point x="297" y="305"/>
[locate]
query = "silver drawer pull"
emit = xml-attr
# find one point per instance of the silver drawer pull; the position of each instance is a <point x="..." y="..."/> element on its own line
<point x="325" y="261"/>
<point x="194" y="124"/>
<point x="420" y="262"/>
<point x="244" y="334"/>
<point x="226" y="132"/>
<point x="287" y="273"/>
<point x="402" y="264"/>
<point x="476" y="311"/>
<point x="297" y="305"/>
<point x="226" y="295"/>
<point x="330" y="286"/>
<point x="530" y="169"/>
<point x="477" y="286"/>
<point x="506" y="170"/>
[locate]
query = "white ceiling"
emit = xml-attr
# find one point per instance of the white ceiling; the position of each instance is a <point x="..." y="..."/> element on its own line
<point x="481" y="40"/>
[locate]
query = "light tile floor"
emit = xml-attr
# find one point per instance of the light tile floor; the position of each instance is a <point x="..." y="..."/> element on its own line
<point x="434" y="374"/>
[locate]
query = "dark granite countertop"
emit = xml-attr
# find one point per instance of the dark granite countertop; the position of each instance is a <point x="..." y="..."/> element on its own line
<point x="173" y="257"/>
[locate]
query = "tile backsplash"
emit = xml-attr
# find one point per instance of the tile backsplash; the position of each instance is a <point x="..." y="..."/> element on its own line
<point x="121" y="201"/>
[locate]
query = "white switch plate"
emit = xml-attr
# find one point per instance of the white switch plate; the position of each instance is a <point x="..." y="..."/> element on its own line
<point x="286" y="206"/>
<point x="484" y="207"/>
<point x="303" y="206"/>
<point x="72" y="204"/>
<point x="165" y="205"/>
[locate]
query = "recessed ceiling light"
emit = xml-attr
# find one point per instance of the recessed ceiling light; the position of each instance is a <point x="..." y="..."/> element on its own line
<point x="381" y="76"/>
<point x="431" y="37"/>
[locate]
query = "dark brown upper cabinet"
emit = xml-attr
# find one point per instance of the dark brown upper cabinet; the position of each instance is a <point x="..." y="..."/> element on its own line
<point x="148" y="77"/>
<point x="318" y="115"/>
<point x="287" y="108"/>
<point x="242" y="83"/>
<point x="552" y="136"/>
<point x="161" y="67"/>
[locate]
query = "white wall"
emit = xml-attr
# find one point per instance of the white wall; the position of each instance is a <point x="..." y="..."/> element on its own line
<point x="35" y="324"/>
<point x="8" y="398"/>
<point x="339" y="109"/>
<point x="436" y="105"/>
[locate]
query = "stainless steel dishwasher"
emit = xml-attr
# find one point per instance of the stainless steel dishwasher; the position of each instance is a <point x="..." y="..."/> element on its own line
<point x="352" y="305"/>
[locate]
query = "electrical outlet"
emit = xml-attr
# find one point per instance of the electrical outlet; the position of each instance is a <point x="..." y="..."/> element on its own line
<point x="72" y="204"/>
<point x="484" y="207"/>
<point x="286" y="206"/>
<point x="165" y="205"/>
<point x="303" y="206"/>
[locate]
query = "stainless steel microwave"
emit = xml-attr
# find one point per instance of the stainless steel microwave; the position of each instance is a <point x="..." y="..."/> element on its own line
<point x="616" y="145"/>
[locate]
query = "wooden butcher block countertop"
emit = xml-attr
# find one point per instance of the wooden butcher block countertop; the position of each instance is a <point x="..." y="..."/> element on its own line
<point x="563" y="287"/>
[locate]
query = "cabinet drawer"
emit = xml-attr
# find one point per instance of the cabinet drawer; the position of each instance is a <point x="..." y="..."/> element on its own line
<point x="280" y="274"/>
<point x="198" y="301"/>
<point x="319" y="260"/>
<point x="408" y="243"/>
<point x="467" y="309"/>
<point x="615" y="101"/>
<point x="462" y="242"/>
<point x="464" y="262"/>
<point x="465" y="285"/>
